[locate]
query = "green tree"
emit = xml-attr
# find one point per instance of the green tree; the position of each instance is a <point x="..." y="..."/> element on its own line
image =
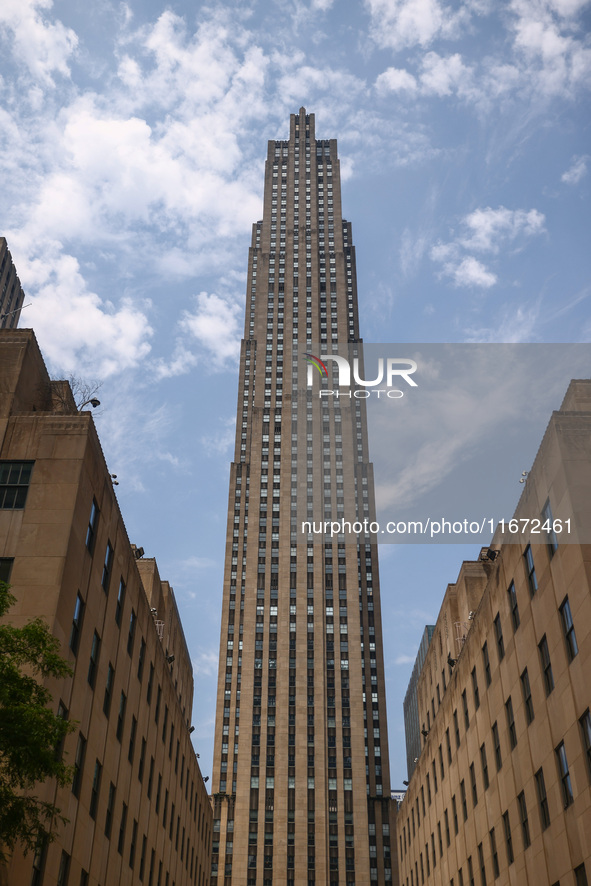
<point x="31" y="735"/>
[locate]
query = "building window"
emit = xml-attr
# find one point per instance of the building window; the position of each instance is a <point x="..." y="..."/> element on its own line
<point x="527" y="697"/>
<point x="92" y="526"/>
<point x="15" y="477"/>
<point x="531" y="571"/>
<point x="481" y="864"/>
<point x="120" y="601"/>
<point x="78" y="765"/>
<point x="95" y="790"/>
<point x="580" y="875"/>
<point x="465" y="706"/>
<point x="6" y="568"/>
<point x="484" y="763"/>
<point x="486" y="662"/>
<point x="108" y="690"/>
<point x="494" y="853"/>
<point x="94" y="657"/>
<point x="142" y="763"/>
<point x="513" y="605"/>
<point x="475" y="689"/>
<point x="121" y="716"/>
<point x="107" y="568"/>
<point x="109" y="813"/>
<point x="508" y="838"/>
<point x="64" y="869"/>
<point x="585" y="722"/>
<point x="77" y="623"/>
<point x="542" y="799"/>
<point x="132" y="733"/>
<point x="456" y="729"/>
<point x="132" y="844"/>
<point x="569" y="629"/>
<point x="473" y="784"/>
<point x="511" y="723"/>
<point x="546" y="665"/>
<point x="455" y="814"/>
<point x="499" y="637"/>
<point x="141" y="659"/>
<point x="122" y="825"/>
<point x="464" y="804"/>
<point x="567" y="790"/>
<point x="548" y="526"/>
<point x="497" y="745"/>
<point x="524" y="820"/>
<point x="131" y="634"/>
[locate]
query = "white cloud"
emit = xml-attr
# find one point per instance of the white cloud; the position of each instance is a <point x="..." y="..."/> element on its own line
<point x="514" y="325"/>
<point x="205" y="663"/>
<point x="399" y="23"/>
<point x="576" y="171"/>
<point x="215" y="324"/>
<point x="44" y="47"/>
<point x="442" y="76"/>
<point x="471" y="272"/>
<point x="412" y="250"/>
<point x="221" y="442"/>
<point x="396" y="80"/>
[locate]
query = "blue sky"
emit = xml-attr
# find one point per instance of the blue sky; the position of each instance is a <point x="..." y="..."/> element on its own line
<point x="132" y="146"/>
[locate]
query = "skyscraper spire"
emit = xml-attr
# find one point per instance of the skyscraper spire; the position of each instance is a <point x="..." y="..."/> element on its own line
<point x="301" y="776"/>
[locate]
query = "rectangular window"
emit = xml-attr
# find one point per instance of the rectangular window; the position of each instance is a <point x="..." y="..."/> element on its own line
<point x="77" y="623"/>
<point x="499" y="636"/>
<point x="158" y="702"/>
<point x="481" y="865"/>
<point x="122" y="826"/>
<point x="465" y="707"/>
<point x="110" y="809"/>
<point x="455" y="814"/>
<point x="150" y="684"/>
<point x="456" y="729"/>
<point x="448" y="746"/>
<point x="15" y="477"/>
<point x="546" y="665"/>
<point x="94" y="657"/>
<point x="64" y="869"/>
<point x="78" y="765"/>
<point x="567" y="790"/>
<point x="143" y="858"/>
<point x="132" y="845"/>
<point x="470" y="871"/>
<point x="527" y="697"/>
<point x="513" y="605"/>
<point x="141" y="659"/>
<point x="530" y="570"/>
<point x="542" y="799"/>
<point x="548" y="526"/>
<point x="473" y="784"/>
<point x="508" y="838"/>
<point x="95" y="790"/>
<point x="6" y="568"/>
<point x="486" y="662"/>
<point x="580" y="875"/>
<point x="523" y="819"/>
<point x="511" y="723"/>
<point x="131" y="634"/>
<point x="108" y="690"/>
<point x="142" y="763"/>
<point x="494" y="853"/>
<point x="92" y="526"/>
<point x="150" y="778"/>
<point x="585" y="722"/>
<point x="569" y="629"/>
<point x="121" y="716"/>
<point x="475" y="689"/>
<point x="120" y="601"/>
<point x="484" y="764"/>
<point x="464" y="804"/>
<point x="131" y="748"/>
<point x="107" y="568"/>
<point x="497" y="745"/>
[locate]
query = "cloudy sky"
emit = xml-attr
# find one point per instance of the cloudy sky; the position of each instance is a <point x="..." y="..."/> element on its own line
<point x="132" y="145"/>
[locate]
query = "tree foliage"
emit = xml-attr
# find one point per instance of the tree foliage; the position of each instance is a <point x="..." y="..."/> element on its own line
<point x="30" y="733"/>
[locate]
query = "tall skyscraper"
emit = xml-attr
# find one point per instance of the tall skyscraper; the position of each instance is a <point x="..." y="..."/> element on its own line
<point x="301" y="786"/>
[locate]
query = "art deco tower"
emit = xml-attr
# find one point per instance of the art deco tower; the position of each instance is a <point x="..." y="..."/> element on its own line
<point x="301" y="786"/>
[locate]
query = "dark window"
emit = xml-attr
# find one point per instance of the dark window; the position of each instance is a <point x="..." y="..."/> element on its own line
<point x="497" y="745"/>
<point x="456" y="729"/>
<point x="513" y="605"/>
<point x="120" y="601"/>
<point x="39" y="863"/>
<point x="158" y="793"/>
<point x="499" y="637"/>
<point x="447" y="834"/>
<point x="143" y="858"/>
<point x="524" y="820"/>
<point x="77" y="623"/>
<point x="508" y="838"/>
<point x="486" y="662"/>
<point x="470" y="871"/>
<point x="527" y="698"/>
<point x="441" y="763"/>
<point x="92" y="525"/>
<point x="567" y="790"/>
<point x="131" y="634"/>
<point x="64" y="869"/>
<point x="150" y="684"/>
<point x="150" y="778"/>
<point x="142" y="763"/>
<point x="548" y="527"/>
<point x="494" y="853"/>
<point x="484" y="763"/>
<point x="580" y="875"/>
<point x="569" y="629"/>
<point x="531" y="571"/>
<point x="511" y="723"/>
<point x="107" y="568"/>
<point x="122" y="825"/>
<point x="141" y="659"/>
<point x="464" y="804"/>
<point x="465" y="707"/>
<point x="15" y="477"/>
<point x="585" y="722"/>
<point x="133" y="730"/>
<point x="165" y="723"/>
<point x="448" y="745"/>
<point x="157" y="708"/>
<point x="94" y="657"/>
<point x="6" y="568"/>
<point x="475" y="689"/>
<point x="108" y="689"/>
<point x="542" y="799"/>
<point x="121" y="716"/>
<point x="546" y="665"/>
<point x="110" y="809"/>
<point x="473" y="784"/>
<point x="455" y="814"/>
<point x="78" y="765"/>
<point x="95" y="790"/>
<point x="83" y="877"/>
<point x="481" y="864"/>
<point x="132" y="845"/>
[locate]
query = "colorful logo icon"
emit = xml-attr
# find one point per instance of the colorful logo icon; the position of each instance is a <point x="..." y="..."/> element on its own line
<point x="317" y="362"/>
